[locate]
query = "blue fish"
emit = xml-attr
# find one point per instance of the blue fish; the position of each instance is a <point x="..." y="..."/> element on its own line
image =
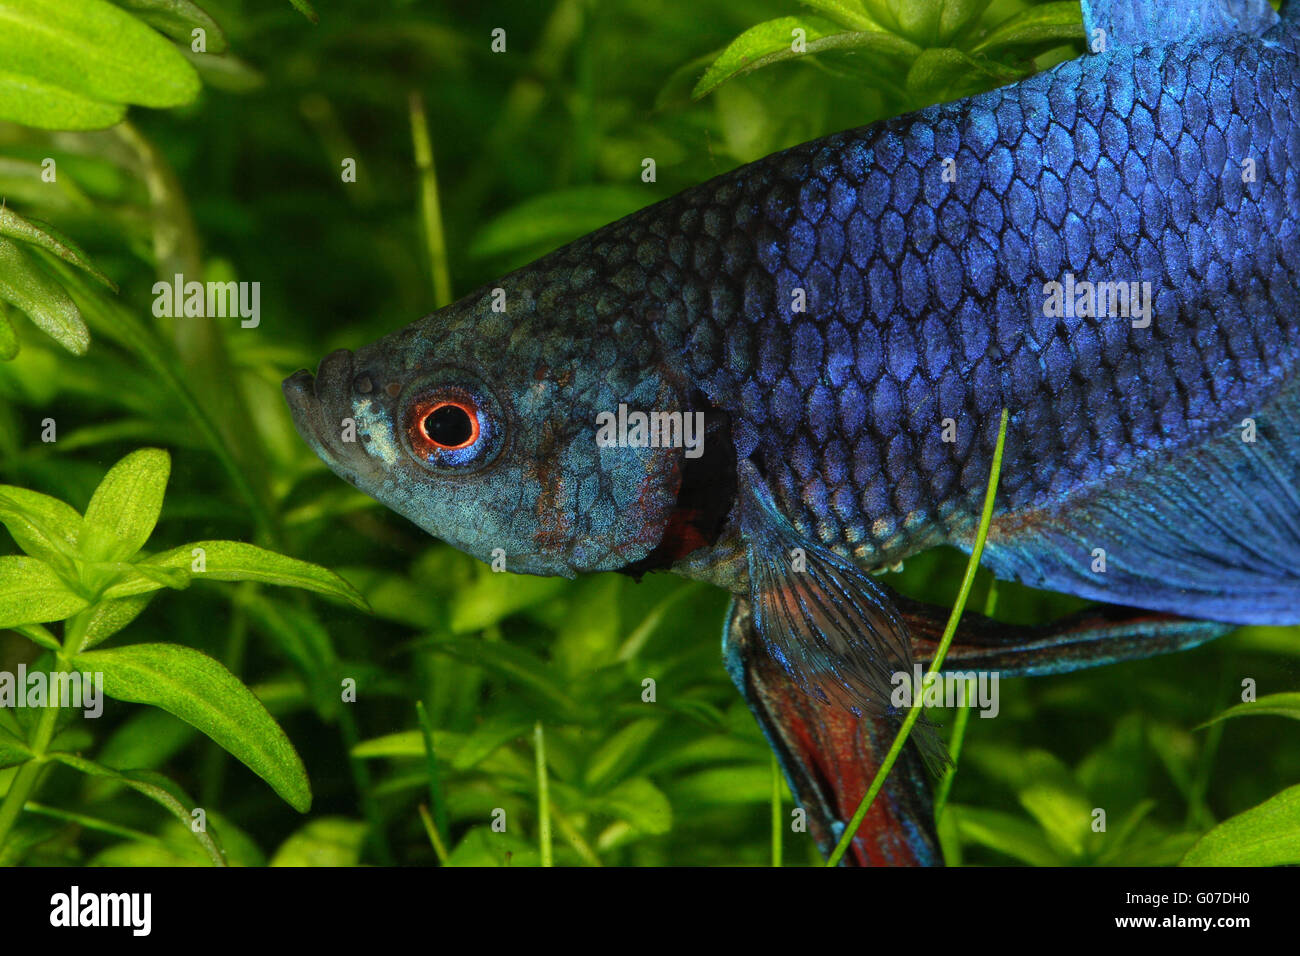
<point x="1108" y="249"/>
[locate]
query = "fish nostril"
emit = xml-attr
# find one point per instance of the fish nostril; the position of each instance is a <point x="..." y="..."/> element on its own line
<point x="335" y="369"/>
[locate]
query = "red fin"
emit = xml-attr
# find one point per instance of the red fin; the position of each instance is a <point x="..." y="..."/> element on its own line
<point x="830" y="758"/>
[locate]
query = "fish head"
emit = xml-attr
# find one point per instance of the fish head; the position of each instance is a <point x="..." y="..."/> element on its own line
<point x="479" y="424"/>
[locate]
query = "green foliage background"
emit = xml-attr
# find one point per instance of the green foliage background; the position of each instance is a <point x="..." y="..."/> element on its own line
<point x="241" y="179"/>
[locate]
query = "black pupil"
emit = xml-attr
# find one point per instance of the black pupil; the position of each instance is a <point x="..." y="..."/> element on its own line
<point x="449" y="425"/>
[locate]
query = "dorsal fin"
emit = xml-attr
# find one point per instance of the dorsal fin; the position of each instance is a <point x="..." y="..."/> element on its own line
<point x="1137" y="22"/>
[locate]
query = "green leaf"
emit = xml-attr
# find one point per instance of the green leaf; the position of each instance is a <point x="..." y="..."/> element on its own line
<point x="620" y="752"/>
<point x="125" y="507"/>
<point x="108" y="617"/>
<point x="1272" y="705"/>
<point x="12" y="750"/>
<point x="144" y="741"/>
<point x="1266" y="835"/>
<point x="46" y="237"/>
<point x="32" y="593"/>
<point x="493" y="597"/>
<point x="1016" y="837"/>
<point x="639" y="803"/>
<point x="305" y="8"/>
<point x="943" y="74"/>
<point x="237" y="561"/>
<point x="200" y="691"/>
<point x="928" y="22"/>
<point x="8" y="336"/>
<point x="44" y="527"/>
<point x="33" y="102"/>
<point x="28" y="289"/>
<point x="178" y="19"/>
<point x="482" y="847"/>
<point x="329" y="841"/>
<point x="552" y="219"/>
<point x="93" y="48"/>
<point x="157" y="788"/>
<point x="851" y="13"/>
<point x="773" y="41"/>
<point x="1047" y="23"/>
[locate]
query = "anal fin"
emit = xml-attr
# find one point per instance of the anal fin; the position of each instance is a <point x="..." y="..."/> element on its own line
<point x="1209" y="531"/>
<point x="1093" y="637"/>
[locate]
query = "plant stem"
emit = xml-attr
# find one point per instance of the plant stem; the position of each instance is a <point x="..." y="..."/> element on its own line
<point x="778" y="825"/>
<point x="434" y="237"/>
<point x="436" y="802"/>
<point x="24" y="783"/>
<point x="439" y="848"/>
<point x="543" y="796"/>
<point x="958" y="737"/>
<point x="937" y="664"/>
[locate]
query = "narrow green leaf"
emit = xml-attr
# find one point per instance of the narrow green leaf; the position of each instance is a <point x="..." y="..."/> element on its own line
<point x="774" y="41"/>
<point x="943" y="74"/>
<point x="1058" y="22"/>
<point x="46" y="237"/>
<point x="8" y="335"/>
<point x="108" y="617"/>
<point x="157" y="788"/>
<point x="851" y="13"/>
<point x="620" y="752"/>
<point x="125" y="507"/>
<point x="552" y="219"/>
<point x="638" y="802"/>
<point x="28" y="289"/>
<point x="32" y="102"/>
<point x="23" y="181"/>
<point x="1272" y="705"/>
<point x="32" y="593"/>
<point x="237" y="561"/>
<point x="93" y="48"/>
<point x="179" y="19"/>
<point x="40" y="636"/>
<point x="1016" y="837"/>
<point x="305" y="8"/>
<point x="1266" y="835"/>
<point x="44" y="527"/>
<point x="200" y="691"/>
<point x="12" y="750"/>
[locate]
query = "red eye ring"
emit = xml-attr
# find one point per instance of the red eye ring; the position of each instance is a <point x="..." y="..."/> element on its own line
<point x="467" y="409"/>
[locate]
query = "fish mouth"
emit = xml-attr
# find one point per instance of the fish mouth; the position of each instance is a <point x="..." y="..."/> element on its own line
<point x="319" y="403"/>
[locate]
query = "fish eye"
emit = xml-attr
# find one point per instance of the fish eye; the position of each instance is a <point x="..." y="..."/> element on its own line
<point x="451" y="426"/>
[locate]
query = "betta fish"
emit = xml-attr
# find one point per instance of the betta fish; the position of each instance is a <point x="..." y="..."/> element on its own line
<point x="1109" y="249"/>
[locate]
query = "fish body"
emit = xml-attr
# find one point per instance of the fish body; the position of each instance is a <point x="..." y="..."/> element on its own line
<point x="1110" y="250"/>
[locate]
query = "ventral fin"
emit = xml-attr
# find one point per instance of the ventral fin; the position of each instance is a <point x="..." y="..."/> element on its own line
<point x="1140" y="22"/>
<point x="831" y="629"/>
<point x="829" y="758"/>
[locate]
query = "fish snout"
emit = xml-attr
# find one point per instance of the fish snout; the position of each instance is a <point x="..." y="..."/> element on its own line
<point x="320" y="403"/>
